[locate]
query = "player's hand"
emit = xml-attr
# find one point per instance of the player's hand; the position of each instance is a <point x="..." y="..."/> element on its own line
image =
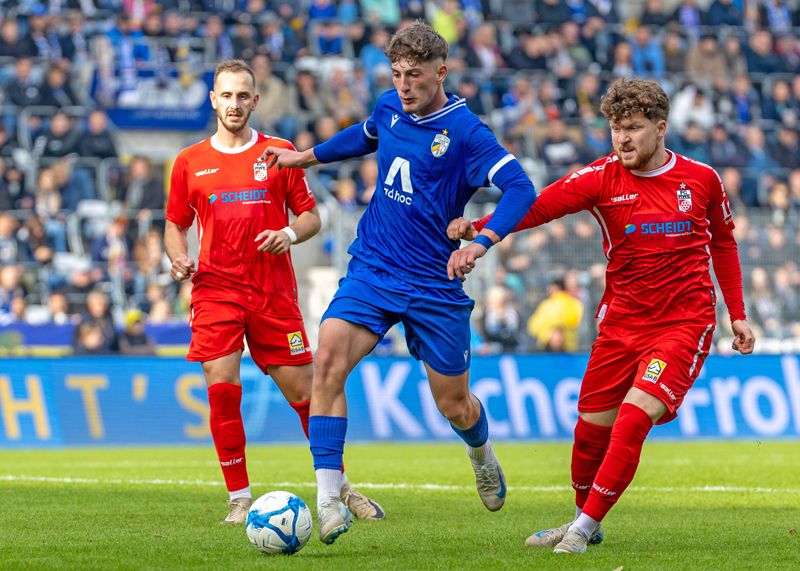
<point x="743" y="339"/>
<point x="182" y="268"/>
<point x="284" y="158"/>
<point x="461" y="229"/>
<point x="274" y="242"/>
<point x="462" y="261"/>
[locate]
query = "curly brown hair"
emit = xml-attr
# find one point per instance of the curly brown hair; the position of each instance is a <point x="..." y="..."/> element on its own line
<point x="233" y="66"/>
<point x="417" y="43"/>
<point x="628" y="96"/>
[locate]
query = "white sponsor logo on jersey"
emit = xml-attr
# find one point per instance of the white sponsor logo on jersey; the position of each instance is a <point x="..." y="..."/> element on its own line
<point x="395" y="118"/>
<point x="624" y="197"/>
<point x="205" y="172"/>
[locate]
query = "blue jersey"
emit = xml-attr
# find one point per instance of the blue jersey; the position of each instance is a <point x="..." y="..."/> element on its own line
<point x="428" y="168"/>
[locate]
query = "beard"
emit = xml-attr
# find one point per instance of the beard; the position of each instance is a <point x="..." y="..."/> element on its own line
<point x="231" y="126"/>
<point x="640" y="159"/>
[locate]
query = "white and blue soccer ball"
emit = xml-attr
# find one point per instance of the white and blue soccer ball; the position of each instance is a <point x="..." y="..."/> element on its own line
<point x="279" y="522"/>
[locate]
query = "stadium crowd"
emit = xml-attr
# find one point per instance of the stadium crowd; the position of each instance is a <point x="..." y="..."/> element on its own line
<point x="81" y="224"/>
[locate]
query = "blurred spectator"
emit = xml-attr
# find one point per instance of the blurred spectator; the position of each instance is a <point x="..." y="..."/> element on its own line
<point x="763" y="310"/>
<point x="275" y="112"/>
<point x="367" y="180"/>
<point x="734" y="55"/>
<point x="10" y="289"/>
<point x="786" y="149"/>
<point x="13" y="43"/>
<point x="56" y="92"/>
<point x="59" y="139"/>
<point x="482" y="52"/>
<point x="724" y="13"/>
<point x="622" y="60"/>
<point x="776" y="15"/>
<point x="8" y="240"/>
<point x="112" y="248"/>
<point x="467" y="89"/>
<point x="216" y="34"/>
<point x="654" y="15"/>
<point x="134" y="341"/>
<point x="647" y="55"/>
<point x="500" y="322"/>
<point x="97" y="141"/>
<point x="89" y="339"/>
<point x="43" y="35"/>
<point x="554" y="325"/>
<point x="23" y="90"/>
<point x="557" y="149"/>
<point x="372" y="55"/>
<point x="529" y="52"/>
<point x="553" y="12"/>
<point x="98" y="315"/>
<point x="689" y="16"/>
<point x="35" y="243"/>
<point x="761" y="57"/>
<point x="690" y="105"/>
<point x="58" y="308"/>
<point x="310" y="99"/>
<point x="447" y="18"/>
<point x="725" y="150"/>
<point x="705" y="63"/>
<point x="143" y="190"/>
<point x="780" y="105"/>
<point x="386" y="12"/>
<point x="675" y="53"/>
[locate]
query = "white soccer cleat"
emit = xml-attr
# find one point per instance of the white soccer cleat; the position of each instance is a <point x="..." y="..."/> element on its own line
<point x="490" y="482"/>
<point x="553" y="536"/>
<point x="333" y="518"/>
<point x="574" y="541"/>
<point x="238" y="509"/>
<point x="360" y="505"/>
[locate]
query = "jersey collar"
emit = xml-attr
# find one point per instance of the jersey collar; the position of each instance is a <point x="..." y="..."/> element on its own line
<point x="235" y="151"/>
<point x="453" y="102"/>
<point x="660" y="170"/>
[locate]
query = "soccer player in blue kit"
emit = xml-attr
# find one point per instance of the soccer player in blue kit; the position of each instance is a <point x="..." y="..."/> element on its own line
<point x="433" y="154"/>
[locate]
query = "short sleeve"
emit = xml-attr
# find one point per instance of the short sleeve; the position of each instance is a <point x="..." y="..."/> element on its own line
<point x="299" y="197"/>
<point x="179" y="209"/>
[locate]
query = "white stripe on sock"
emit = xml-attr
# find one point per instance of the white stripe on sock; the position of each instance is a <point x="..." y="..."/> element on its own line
<point x="243" y="493"/>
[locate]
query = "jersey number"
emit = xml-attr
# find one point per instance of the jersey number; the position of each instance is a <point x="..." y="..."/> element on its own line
<point x="404" y="167"/>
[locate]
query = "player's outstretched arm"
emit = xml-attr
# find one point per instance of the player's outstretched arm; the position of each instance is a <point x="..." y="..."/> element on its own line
<point x="743" y="339"/>
<point x="279" y="241"/>
<point x="176" y="244"/>
<point x="287" y="158"/>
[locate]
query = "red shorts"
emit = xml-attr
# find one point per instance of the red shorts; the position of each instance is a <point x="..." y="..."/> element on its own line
<point x="662" y="362"/>
<point x="219" y="327"/>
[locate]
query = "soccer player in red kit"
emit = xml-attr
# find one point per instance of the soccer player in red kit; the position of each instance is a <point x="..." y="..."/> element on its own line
<point x="244" y="284"/>
<point x="662" y="217"/>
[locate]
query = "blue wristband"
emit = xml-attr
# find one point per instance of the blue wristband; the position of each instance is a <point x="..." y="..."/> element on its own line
<point x="484" y="241"/>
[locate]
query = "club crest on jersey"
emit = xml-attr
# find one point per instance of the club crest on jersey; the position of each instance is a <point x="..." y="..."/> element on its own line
<point x="260" y="171"/>
<point x="440" y="144"/>
<point x="654" y="370"/>
<point x="684" y="198"/>
<point x="296" y="345"/>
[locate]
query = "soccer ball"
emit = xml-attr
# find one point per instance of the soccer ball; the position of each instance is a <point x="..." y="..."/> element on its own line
<point x="279" y="522"/>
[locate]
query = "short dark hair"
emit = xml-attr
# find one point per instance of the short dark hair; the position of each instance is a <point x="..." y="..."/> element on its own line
<point x="417" y="43"/>
<point x="233" y="66"/>
<point x="628" y="96"/>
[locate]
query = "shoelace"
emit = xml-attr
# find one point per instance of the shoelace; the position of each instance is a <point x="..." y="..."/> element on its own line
<point x="489" y="479"/>
<point x="357" y="502"/>
<point x="554" y="533"/>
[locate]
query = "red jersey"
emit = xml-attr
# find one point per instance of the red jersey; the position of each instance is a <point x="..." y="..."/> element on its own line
<point x="235" y="197"/>
<point x="659" y="229"/>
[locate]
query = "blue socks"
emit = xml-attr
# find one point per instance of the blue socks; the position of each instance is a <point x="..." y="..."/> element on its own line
<point x="477" y="435"/>
<point x="326" y="437"/>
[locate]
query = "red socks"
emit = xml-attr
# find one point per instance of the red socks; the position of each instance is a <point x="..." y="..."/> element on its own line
<point x="227" y="430"/>
<point x="302" y="408"/>
<point x="620" y="462"/>
<point x="591" y="443"/>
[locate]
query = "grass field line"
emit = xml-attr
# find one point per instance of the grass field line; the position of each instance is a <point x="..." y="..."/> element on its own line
<point x="388" y="486"/>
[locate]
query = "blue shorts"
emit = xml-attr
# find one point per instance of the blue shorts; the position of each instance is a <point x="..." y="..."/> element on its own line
<point x="436" y="320"/>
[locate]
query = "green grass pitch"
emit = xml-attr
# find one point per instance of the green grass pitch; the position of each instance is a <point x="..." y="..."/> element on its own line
<point x="698" y="505"/>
